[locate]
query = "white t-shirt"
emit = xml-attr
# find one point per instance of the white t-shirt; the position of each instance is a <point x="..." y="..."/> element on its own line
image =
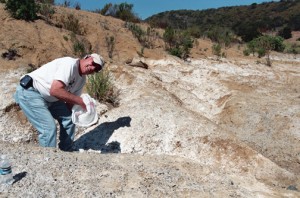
<point x="62" y="69"/>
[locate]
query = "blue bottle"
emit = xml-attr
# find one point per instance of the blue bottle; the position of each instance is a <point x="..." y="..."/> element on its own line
<point x="6" y="176"/>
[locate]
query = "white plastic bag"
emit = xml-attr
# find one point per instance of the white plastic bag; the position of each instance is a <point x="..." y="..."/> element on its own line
<point x="84" y="118"/>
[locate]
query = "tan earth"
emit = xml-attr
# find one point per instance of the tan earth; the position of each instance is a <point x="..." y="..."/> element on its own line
<point x="204" y="127"/>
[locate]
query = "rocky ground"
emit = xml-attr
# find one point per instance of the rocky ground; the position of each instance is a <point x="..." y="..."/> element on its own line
<point x="183" y="129"/>
<point x="205" y="127"/>
<point x="51" y="173"/>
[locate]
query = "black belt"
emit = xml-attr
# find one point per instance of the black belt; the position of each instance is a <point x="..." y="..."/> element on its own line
<point x="26" y="82"/>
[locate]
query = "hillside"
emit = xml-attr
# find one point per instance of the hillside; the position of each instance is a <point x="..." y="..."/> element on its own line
<point x="205" y="127"/>
<point x="48" y="41"/>
<point x="268" y="16"/>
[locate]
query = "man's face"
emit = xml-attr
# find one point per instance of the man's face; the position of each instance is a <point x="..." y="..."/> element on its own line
<point x="91" y="67"/>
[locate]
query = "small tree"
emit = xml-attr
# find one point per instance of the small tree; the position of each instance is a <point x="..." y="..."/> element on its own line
<point x="124" y="11"/>
<point x="263" y="45"/>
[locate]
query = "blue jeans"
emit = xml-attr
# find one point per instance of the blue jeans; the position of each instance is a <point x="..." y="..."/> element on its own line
<point x="41" y="115"/>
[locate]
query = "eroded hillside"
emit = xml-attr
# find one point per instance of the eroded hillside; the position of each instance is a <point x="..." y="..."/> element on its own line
<point x="204" y="128"/>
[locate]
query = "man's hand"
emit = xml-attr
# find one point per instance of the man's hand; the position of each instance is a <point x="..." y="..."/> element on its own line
<point x="58" y="90"/>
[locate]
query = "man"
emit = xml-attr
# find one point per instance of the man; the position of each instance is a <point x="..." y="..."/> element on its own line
<point x="49" y="93"/>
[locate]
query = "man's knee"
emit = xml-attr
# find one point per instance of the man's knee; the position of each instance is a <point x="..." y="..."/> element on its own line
<point x="47" y="135"/>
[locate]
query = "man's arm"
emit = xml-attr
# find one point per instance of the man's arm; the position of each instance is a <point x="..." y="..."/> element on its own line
<point x="58" y="91"/>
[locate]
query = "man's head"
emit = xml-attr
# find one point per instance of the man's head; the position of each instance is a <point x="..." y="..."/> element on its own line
<point x="91" y="63"/>
<point x="98" y="60"/>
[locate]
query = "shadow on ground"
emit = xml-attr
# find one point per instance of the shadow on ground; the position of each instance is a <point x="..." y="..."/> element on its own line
<point x="97" y="138"/>
<point x="19" y="176"/>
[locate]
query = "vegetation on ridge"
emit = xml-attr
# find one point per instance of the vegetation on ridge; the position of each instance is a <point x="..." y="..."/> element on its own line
<point x="123" y="11"/>
<point x="248" y="22"/>
<point x="222" y="26"/>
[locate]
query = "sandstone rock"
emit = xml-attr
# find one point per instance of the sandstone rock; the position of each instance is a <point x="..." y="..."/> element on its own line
<point x="138" y="63"/>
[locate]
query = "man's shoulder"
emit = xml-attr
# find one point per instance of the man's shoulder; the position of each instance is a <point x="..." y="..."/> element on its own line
<point x="67" y="59"/>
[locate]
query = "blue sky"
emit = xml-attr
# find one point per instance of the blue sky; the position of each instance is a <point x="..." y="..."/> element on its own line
<point x="146" y="8"/>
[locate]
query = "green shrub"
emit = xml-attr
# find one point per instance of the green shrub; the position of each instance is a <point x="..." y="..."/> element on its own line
<point x="22" y="9"/>
<point x="221" y="35"/>
<point x="264" y="44"/>
<point x="79" y="47"/>
<point x="195" y="31"/>
<point x="175" y="51"/>
<point x="277" y="43"/>
<point x="123" y="11"/>
<point x="71" y="23"/>
<point x="100" y="87"/>
<point x="261" y="52"/>
<point x="136" y="30"/>
<point x="151" y="36"/>
<point x="224" y="54"/>
<point x="216" y="49"/>
<point x="178" y="43"/>
<point x="46" y="9"/>
<point x="169" y="37"/>
<point x="110" y="45"/>
<point x="141" y="52"/>
<point x="145" y="38"/>
<point x="186" y="43"/>
<point x="66" y="38"/>
<point x="251" y="47"/>
<point x="293" y="49"/>
<point x="246" y="52"/>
